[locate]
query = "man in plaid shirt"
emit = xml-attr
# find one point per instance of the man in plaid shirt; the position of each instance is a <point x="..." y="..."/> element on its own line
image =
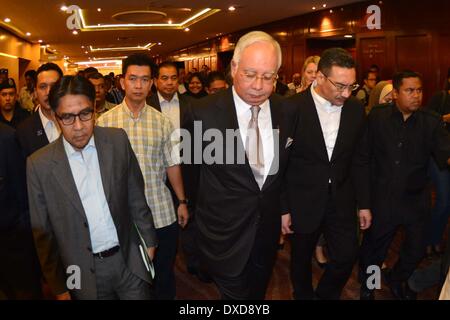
<point x="150" y="133"/>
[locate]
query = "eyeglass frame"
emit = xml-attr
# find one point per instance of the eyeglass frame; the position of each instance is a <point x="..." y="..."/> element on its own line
<point x="74" y="116"/>
<point x="249" y="77"/>
<point x="355" y="85"/>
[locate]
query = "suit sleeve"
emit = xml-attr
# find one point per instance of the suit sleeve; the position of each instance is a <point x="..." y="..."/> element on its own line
<point x="441" y="145"/>
<point x="361" y="166"/>
<point x="44" y="238"/>
<point x="137" y="202"/>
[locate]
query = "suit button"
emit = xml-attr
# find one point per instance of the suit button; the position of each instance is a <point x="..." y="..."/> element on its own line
<point x="85" y="224"/>
<point x="89" y="249"/>
<point x="400" y="144"/>
<point x="397" y="162"/>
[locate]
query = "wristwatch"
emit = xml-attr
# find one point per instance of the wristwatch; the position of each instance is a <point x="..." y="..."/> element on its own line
<point x="183" y="201"/>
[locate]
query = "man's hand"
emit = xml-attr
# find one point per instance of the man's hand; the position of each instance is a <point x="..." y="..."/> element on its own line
<point x="151" y="252"/>
<point x="365" y="218"/>
<point x="63" y="296"/>
<point x="286" y="224"/>
<point x="183" y="215"/>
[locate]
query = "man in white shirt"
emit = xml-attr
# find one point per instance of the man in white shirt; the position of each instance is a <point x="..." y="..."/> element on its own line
<point x="87" y="204"/>
<point x="41" y="127"/>
<point x="327" y="177"/>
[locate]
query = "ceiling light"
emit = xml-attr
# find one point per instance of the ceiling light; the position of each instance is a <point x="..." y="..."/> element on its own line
<point x="187" y="29"/>
<point x="348" y="36"/>
<point x="324" y="5"/>
<point x="86" y="52"/>
<point x="231" y="8"/>
<point x="75" y="32"/>
<point x="331" y="11"/>
<point x="169" y="22"/>
<point x="82" y="47"/>
<point x="28" y="34"/>
<point x="64" y="8"/>
<point x="40" y="41"/>
<point x="159" y="43"/>
<point x="314" y="8"/>
<point x="99" y="9"/>
<point x="7" y="20"/>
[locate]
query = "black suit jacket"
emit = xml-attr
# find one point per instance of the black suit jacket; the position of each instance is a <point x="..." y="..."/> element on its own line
<point x="188" y="172"/>
<point x="31" y="135"/>
<point x="13" y="198"/>
<point x="309" y="169"/>
<point x="233" y="215"/>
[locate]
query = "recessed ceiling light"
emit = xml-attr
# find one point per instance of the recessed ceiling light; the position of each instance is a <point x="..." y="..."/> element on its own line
<point x="99" y="9"/>
<point x="169" y="22"/>
<point x="348" y="36"/>
<point x="64" y="8"/>
<point x="75" y="32"/>
<point x="187" y="29"/>
<point x="40" y="41"/>
<point x="331" y="11"/>
<point x="7" y="20"/>
<point x="86" y="52"/>
<point x="314" y="8"/>
<point x="324" y="5"/>
<point x="28" y="34"/>
<point x="231" y="8"/>
<point x="159" y="43"/>
<point x="82" y="47"/>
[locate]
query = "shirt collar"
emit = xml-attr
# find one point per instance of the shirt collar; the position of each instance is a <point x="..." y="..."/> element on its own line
<point x="127" y="110"/>
<point x="243" y="107"/>
<point x="321" y="102"/>
<point x="174" y="98"/>
<point x="70" y="151"/>
<point x="46" y="121"/>
<point x="399" y="115"/>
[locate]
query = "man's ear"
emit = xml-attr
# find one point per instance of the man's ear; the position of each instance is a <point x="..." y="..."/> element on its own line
<point x="394" y="94"/>
<point x="122" y="83"/>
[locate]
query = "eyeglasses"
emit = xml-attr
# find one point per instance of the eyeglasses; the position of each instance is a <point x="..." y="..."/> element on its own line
<point x="267" y="78"/>
<point x="410" y="91"/>
<point x="68" y="119"/>
<point x="341" y="88"/>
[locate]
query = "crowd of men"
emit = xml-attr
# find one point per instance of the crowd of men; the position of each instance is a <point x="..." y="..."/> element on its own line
<point x="115" y="174"/>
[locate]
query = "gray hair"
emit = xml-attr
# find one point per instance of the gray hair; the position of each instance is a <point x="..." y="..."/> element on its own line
<point x="251" y="38"/>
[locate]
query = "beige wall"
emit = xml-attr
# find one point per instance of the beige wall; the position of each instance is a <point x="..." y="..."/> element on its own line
<point x="18" y="48"/>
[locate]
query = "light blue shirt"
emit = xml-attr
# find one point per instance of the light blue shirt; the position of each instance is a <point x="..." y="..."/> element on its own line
<point x="86" y="173"/>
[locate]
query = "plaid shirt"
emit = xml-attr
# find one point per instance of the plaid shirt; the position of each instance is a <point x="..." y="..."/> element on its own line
<point x="149" y="136"/>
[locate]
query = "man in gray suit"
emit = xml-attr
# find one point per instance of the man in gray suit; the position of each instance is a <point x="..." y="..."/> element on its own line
<point x="86" y="194"/>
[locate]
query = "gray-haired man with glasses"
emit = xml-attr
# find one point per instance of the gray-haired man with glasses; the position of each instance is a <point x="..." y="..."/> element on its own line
<point x="327" y="177"/>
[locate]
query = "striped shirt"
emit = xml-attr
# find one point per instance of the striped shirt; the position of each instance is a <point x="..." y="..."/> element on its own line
<point x="150" y="138"/>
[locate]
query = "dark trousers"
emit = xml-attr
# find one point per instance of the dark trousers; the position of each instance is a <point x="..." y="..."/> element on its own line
<point x="341" y="238"/>
<point x="115" y="281"/>
<point x="252" y="283"/>
<point x="376" y="243"/>
<point x="189" y="246"/>
<point x="164" y="262"/>
<point x="20" y="275"/>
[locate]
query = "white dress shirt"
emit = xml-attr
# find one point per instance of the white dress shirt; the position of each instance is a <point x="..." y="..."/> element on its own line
<point x="86" y="173"/>
<point x="329" y="117"/>
<point x="51" y="129"/>
<point x="244" y="115"/>
<point x="171" y="109"/>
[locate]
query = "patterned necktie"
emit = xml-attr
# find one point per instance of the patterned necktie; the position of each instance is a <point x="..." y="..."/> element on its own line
<point x="254" y="147"/>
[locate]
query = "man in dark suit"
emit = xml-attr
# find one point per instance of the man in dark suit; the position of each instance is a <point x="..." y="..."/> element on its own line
<point x="238" y="204"/>
<point x="19" y="276"/>
<point x="86" y="195"/>
<point x="177" y="108"/>
<point x="41" y="128"/>
<point x="327" y="176"/>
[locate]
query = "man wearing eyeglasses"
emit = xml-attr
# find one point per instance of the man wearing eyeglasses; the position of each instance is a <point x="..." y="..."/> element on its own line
<point x="327" y="177"/>
<point x="238" y="202"/>
<point x="402" y="138"/>
<point x="86" y="195"/>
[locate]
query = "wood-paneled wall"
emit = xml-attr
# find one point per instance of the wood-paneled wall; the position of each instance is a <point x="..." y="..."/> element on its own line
<point x="414" y="34"/>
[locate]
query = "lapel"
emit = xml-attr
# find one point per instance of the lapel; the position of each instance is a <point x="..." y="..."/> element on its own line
<point x="276" y="115"/>
<point x="183" y="109"/>
<point x="63" y="175"/>
<point x="106" y="160"/>
<point x="227" y="119"/>
<point x="38" y="130"/>
<point x="316" y="129"/>
<point x="344" y="126"/>
<point x="153" y="101"/>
